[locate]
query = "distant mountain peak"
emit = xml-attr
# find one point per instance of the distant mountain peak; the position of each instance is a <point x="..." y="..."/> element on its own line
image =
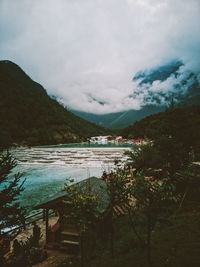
<point x="183" y="89"/>
<point x="9" y="63"/>
<point x="160" y="73"/>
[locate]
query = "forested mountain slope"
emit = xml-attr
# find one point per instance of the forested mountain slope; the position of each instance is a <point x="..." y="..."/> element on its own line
<point x="29" y="116"/>
<point x="181" y="124"/>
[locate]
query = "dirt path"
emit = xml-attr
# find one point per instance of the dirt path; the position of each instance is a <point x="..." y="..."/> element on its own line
<point x="55" y="258"/>
<point x="25" y="234"/>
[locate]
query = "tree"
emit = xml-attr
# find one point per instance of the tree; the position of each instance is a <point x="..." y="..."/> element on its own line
<point x="11" y="213"/>
<point x="187" y="184"/>
<point x="154" y="202"/>
<point x="27" y="252"/>
<point x="118" y="191"/>
<point x="144" y="158"/>
<point x="173" y="154"/>
<point x="152" y="190"/>
<point x="83" y="203"/>
<point x="84" y="209"/>
<point x="165" y="154"/>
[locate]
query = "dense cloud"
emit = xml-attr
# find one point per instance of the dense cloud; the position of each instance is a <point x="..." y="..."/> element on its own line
<point x="87" y="52"/>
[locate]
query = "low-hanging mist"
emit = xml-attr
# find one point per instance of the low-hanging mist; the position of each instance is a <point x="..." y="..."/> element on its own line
<point x="87" y="52"/>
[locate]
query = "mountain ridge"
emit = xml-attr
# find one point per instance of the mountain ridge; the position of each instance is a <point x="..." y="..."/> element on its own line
<point x="178" y="124"/>
<point x="28" y="116"/>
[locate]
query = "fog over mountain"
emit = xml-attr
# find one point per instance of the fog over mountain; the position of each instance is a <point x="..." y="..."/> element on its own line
<point x="87" y="52"/>
<point x="159" y="89"/>
<point x="170" y="82"/>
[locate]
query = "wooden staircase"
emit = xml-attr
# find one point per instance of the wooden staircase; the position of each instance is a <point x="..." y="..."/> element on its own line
<point x="65" y="238"/>
<point x="70" y="239"/>
<point x="120" y="210"/>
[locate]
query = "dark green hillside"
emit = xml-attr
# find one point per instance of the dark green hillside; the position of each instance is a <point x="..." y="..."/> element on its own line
<point x="182" y="124"/>
<point x="29" y="116"/>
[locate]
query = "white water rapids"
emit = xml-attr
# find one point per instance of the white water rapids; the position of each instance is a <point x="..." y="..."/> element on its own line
<point x="46" y="169"/>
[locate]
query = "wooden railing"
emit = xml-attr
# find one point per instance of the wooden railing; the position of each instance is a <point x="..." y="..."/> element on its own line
<point x="28" y="221"/>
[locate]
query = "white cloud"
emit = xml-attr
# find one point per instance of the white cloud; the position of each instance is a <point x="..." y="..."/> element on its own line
<point x="94" y="47"/>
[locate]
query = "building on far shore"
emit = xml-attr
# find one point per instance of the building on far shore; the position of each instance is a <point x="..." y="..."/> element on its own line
<point x="140" y="141"/>
<point x="103" y="140"/>
<point x="117" y="140"/>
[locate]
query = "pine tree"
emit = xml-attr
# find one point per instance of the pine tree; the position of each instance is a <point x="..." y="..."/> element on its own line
<point x="10" y="187"/>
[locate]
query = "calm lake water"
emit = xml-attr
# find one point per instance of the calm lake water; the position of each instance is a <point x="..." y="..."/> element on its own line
<point x="47" y="169"/>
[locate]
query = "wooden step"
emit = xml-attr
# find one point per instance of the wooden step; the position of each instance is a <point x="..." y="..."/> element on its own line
<point x="72" y="250"/>
<point x="69" y="242"/>
<point x="120" y="210"/>
<point x="52" y="245"/>
<point x="70" y="233"/>
<point x="125" y="208"/>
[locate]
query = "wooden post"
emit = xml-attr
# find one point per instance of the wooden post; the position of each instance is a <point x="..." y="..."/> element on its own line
<point x="24" y="224"/>
<point x="47" y="224"/>
<point x="44" y="215"/>
<point x="82" y="249"/>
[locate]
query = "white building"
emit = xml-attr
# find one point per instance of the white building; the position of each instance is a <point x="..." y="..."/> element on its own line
<point x="99" y="140"/>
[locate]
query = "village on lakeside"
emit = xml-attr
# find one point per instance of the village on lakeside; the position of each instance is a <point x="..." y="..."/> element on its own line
<point x="116" y="140"/>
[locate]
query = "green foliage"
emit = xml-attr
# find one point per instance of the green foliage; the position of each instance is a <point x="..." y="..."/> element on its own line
<point x="161" y="227"/>
<point x="179" y="127"/>
<point x="83" y="207"/>
<point x="152" y="193"/>
<point x="161" y="187"/>
<point x="154" y="201"/>
<point x="176" y="244"/>
<point x="4" y="248"/>
<point x="116" y="185"/>
<point x="144" y="157"/>
<point x="32" y="241"/>
<point x="174" y="154"/>
<point x="149" y="187"/>
<point x="10" y="211"/>
<point x="35" y="238"/>
<point x="187" y="184"/>
<point x="26" y="253"/>
<point x="11" y="214"/>
<point x="164" y="156"/>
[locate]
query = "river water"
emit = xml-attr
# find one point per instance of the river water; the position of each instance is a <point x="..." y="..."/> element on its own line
<point x="47" y="169"/>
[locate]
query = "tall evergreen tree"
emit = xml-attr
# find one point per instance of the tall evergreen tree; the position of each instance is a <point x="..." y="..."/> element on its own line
<point x="10" y="187"/>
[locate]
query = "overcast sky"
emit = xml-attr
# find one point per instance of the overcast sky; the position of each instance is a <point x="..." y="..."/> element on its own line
<point x="87" y="51"/>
